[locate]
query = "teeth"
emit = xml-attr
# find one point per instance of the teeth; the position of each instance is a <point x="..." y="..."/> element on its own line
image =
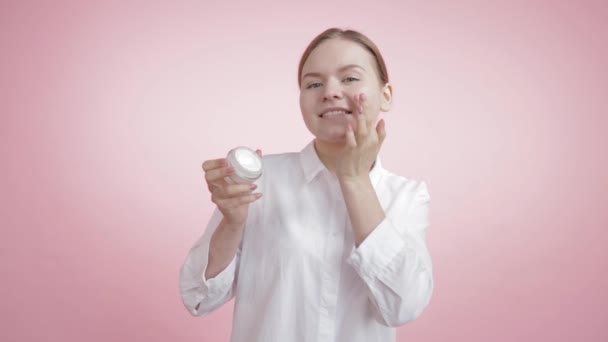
<point x="335" y="112"/>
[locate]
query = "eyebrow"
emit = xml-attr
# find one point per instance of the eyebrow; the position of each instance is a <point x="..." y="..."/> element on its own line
<point x="349" y="66"/>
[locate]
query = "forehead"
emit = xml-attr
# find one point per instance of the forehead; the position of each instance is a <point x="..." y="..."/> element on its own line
<point x="334" y="53"/>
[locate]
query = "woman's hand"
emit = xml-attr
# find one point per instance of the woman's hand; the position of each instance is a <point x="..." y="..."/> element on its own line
<point x="231" y="199"/>
<point x="361" y="147"/>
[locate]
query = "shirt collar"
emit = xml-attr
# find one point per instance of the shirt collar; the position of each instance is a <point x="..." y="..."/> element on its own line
<point x="312" y="165"/>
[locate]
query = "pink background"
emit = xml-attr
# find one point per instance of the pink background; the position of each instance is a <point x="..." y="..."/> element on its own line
<point x="108" y="109"/>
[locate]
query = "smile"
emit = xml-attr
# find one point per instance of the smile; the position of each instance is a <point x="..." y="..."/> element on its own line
<point x="335" y="113"/>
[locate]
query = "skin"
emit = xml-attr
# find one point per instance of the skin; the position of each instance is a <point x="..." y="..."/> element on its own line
<point x="347" y="146"/>
<point x="233" y="201"/>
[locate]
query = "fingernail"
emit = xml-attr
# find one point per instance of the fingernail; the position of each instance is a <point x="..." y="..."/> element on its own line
<point x="258" y="195"/>
<point x="253" y="186"/>
<point x="230" y="170"/>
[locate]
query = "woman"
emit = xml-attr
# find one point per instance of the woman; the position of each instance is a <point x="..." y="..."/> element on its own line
<point x="335" y="249"/>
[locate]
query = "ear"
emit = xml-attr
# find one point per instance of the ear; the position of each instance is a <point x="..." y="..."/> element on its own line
<point x="387" y="98"/>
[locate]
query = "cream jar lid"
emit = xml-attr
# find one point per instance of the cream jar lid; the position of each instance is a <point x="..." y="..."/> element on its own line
<point x="246" y="162"/>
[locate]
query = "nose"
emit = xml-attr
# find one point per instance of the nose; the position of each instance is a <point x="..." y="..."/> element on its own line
<point x="332" y="91"/>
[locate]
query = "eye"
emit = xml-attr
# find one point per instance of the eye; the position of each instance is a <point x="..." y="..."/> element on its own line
<point x="314" y="85"/>
<point x="351" y="79"/>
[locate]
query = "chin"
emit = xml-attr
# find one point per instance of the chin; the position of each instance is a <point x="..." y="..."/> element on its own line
<point x="332" y="139"/>
<point x="328" y="134"/>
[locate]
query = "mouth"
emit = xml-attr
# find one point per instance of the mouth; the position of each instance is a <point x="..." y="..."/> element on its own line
<point x="334" y="113"/>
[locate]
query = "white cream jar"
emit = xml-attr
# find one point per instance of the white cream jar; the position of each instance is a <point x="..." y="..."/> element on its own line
<point x="246" y="163"/>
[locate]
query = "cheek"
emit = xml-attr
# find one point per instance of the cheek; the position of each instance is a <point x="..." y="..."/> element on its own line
<point x="372" y="110"/>
<point x="306" y="103"/>
<point x="357" y="89"/>
<point x="364" y="88"/>
<point x="303" y="98"/>
<point x="372" y="103"/>
<point x="302" y="104"/>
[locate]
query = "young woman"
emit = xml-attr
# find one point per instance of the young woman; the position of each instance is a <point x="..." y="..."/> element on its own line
<point x="335" y="250"/>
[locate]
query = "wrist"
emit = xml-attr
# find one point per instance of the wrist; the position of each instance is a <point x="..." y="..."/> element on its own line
<point x="355" y="182"/>
<point x="232" y="226"/>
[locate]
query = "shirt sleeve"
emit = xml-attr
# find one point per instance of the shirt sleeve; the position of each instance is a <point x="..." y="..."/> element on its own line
<point x="202" y="296"/>
<point x="394" y="261"/>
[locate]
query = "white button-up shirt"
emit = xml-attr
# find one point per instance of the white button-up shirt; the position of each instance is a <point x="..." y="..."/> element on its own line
<point x="297" y="275"/>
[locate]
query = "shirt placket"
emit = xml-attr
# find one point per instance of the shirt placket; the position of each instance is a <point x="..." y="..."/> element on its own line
<point x="330" y="271"/>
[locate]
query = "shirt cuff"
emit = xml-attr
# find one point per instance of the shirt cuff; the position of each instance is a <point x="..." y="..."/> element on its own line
<point x="218" y="284"/>
<point x="377" y="251"/>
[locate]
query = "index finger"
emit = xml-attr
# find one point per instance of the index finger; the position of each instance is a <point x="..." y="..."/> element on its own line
<point x="214" y="164"/>
<point x="362" y="127"/>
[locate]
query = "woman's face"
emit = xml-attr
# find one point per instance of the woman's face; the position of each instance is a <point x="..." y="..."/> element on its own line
<point x="335" y="72"/>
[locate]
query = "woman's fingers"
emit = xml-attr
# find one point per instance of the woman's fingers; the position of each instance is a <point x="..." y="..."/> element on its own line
<point x="216" y="171"/>
<point x="351" y="141"/>
<point x="235" y="190"/>
<point x="362" y="129"/>
<point x="359" y="98"/>
<point x="234" y="202"/>
<point x="214" y="164"/>
<point x="215" y="175"/>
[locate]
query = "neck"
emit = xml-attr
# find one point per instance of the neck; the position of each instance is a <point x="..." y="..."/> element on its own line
<point x="328" y="152"/>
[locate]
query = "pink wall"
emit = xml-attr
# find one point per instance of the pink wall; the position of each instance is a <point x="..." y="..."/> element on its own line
<point x="108" y="110"/>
